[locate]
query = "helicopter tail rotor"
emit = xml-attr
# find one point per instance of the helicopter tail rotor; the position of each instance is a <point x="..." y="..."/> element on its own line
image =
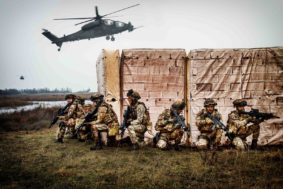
<point x="53" y="38"/>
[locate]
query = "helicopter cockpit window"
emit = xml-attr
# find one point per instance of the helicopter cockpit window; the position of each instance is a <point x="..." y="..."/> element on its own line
<point x="108" y="22"/>
<point x="119" y="24"/>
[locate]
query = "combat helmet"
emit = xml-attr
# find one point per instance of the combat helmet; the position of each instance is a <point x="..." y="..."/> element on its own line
<point x="178" y="105"/>
<point x="208" y="102"/>
<point x="240" y="102"/>
<point x="96" y="97"/>
<point x="133" y="94"/>
<point x="70" y="95"/>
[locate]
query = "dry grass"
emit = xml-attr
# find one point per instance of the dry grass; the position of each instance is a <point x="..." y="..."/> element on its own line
<point x="27" y="120"/>
<point x="30" y="159"/>
<point x="9" y="102"/>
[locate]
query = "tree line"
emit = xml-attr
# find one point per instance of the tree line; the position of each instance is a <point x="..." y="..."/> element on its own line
<point x="34" y="91"/>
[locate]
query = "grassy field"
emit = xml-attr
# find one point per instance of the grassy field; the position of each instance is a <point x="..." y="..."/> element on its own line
<point x="20" y="100"/>
<point x="27" y="120"/>
<point x="30" y="159"/>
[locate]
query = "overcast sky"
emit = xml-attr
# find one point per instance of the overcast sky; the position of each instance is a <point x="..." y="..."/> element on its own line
<point x="188" y="24"/>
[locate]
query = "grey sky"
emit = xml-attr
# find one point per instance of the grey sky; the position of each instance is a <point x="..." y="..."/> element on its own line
<point x="187" y="24"/>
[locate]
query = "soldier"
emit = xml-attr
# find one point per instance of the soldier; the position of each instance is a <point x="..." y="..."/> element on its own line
<point x="210" y="134"/>
<point x="169" y="127"/>
<point x="139" y="120"/>
<point x="82" y="134"/>
<point x="238" y="126"/>
<point x="106" y="120"/>
<point x="69" y="120"/>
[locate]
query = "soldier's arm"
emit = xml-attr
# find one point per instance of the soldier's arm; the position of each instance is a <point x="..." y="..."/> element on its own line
<point x="70" y="112"/>
<point x="101" y="115"/>
<point x="161" y="122"/>
<point x="140" y="114"/>
<point x="234" y="120"/>
<point x="200" y="120"/>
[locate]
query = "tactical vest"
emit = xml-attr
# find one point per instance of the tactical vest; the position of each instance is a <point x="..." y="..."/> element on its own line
<point x="110" y="114"/>
<point x="133" y="114"/>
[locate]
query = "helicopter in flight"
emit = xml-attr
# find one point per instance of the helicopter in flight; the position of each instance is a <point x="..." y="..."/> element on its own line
<point x="98" y="26"/>
<point x="22" y="77"/>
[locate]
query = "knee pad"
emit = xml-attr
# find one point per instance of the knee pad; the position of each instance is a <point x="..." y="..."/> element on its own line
<point x="239" y="143"/>
<point x="202" y="143"/>
<point x="162" y="144"/>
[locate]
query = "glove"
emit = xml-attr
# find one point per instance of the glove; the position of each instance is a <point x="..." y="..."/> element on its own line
<point x="209" y="121"/>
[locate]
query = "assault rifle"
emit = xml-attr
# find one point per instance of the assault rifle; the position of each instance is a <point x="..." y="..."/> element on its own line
<point x="180" y="121"/>
<point x="217" y="121"/>
<point x="60" y="112"/>
<point x="259" y="115"/>
<point x="88" y="117"/>
<point x="125" y="122"/>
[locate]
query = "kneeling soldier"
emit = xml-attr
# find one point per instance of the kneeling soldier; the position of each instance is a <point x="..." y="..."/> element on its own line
<point x="107" y="120"/>
<point x="83" y="134"/>
<point x="139" y="120"/>
<point x="210" y="133"/>
<point x="69" y="120"/>
<point x="238" y="126"/>
<point x="169" y="128"/>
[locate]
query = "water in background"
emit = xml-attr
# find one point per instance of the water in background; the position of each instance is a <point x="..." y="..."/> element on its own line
<point x="36" y="104"/>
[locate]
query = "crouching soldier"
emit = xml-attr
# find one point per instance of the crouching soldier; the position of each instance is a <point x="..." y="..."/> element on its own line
<point x="83" y="133"/>
<point x="106" y="120"/>
<point x="169" y="128"/>
<point x="210" y="133"/>
<point x="238" y="126"/>
<point x="69" y="120"/>
<point x="138" y="119"/>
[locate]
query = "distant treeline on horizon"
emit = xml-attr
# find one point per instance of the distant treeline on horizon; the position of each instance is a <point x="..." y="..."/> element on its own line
<point x="37" y="91"/>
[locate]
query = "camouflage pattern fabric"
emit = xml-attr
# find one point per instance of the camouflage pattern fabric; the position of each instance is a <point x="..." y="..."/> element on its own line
<point x="140" y="123"/>
<point x="166" y="124"/>
<point x="205" y="126"/>
<point x="238" y="125"/>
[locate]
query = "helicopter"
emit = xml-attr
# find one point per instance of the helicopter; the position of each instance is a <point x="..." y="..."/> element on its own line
<point x="98" y="26"/>
<point x="22" y="77"/>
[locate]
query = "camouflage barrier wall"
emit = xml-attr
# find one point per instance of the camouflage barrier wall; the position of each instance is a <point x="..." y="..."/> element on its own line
<point x="108" y="78"/>
<point x="255" y="75"/>
<point x="162" y="76"/>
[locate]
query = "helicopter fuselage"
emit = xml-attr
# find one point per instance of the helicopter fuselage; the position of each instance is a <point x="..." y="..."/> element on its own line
<point x="97" y="29"/>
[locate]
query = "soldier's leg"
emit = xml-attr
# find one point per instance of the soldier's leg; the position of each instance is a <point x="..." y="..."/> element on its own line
<point x="238" y="143"/>
<point x="202" y="143"/>
<point x="136" y="133"/>
<point x="177" y="136"/>
<point x="162" y="143"/>
<point x="61" y="132"/>
<point x="95" y="136"/>
<point x="254" y="129"/>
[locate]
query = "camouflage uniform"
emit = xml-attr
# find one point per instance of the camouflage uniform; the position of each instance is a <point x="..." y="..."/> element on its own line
<point x="107" y="120"/>
<point x="139" y="120"/>
<point x="83" y="133"/>
<point x="209" y="136"/>
<point x="168" y="127"/>
<point x="238" y="126"/>
<point x="68" y="121"/>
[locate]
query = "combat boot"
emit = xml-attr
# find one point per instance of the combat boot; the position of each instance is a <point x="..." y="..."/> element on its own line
<point x="59" y="140"/>
<point x="98" y="146"/>
<point x="177" y="147"/>
<point x="134" y="147"/>
<point x="254" y="144"/>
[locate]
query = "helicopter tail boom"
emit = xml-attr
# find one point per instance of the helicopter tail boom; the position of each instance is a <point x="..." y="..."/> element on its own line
<point x="53" y="38"/>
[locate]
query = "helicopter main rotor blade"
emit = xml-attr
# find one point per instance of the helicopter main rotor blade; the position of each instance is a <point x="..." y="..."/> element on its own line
<point x="120" y="10"/>
<point x="84" y="21"/>
<point x="73" y="18"/>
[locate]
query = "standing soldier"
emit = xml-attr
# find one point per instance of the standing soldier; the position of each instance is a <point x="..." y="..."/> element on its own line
<point x="238" y="125"/>
<point x="210" y="133"/>
<point x="69" y="120"/>
<point x="169" y="128"/>
<point x="106" y="120"/>
<point x="139" y="120"/>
